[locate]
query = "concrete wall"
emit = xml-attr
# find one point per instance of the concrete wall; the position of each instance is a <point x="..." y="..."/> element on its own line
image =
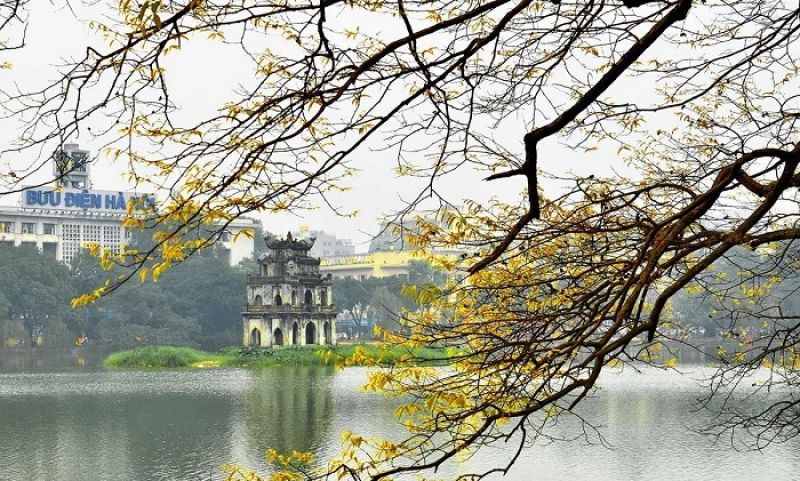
<point x="375" y="264"/>
<point x="240" y="246"/>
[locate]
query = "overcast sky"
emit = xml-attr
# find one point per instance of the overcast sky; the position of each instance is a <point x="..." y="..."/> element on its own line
<point x="204" y="79"/>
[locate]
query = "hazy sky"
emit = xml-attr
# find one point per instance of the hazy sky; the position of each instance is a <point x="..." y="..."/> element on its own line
<point x="202" y="80"/>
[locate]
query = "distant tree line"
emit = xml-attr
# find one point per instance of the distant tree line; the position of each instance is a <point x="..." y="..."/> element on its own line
<point x="734" y="295"/>
<point x="35" y="291"/>
<point x="196" y="303"/>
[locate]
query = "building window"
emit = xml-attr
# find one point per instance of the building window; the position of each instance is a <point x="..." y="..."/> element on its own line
<point x="111" y="238"/>
<point x="225" y="236"/>
<point x="71" y="241"/>
<point x="91" y="233"/>
<point x="49" y="229"/>
<point x="28" y="228"/>
<point x="6" y="227"/>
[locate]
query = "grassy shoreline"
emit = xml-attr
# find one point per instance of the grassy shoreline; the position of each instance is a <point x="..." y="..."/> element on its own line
<point x="174" y="357"/>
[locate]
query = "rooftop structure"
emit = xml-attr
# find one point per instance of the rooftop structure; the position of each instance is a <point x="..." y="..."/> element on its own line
<point x="71" y="167"/>
<point x="393" y="236"/>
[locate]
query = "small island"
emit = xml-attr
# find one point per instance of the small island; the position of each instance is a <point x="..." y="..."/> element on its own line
<point x="176" y="357"/>
<point x="289" y="319"/>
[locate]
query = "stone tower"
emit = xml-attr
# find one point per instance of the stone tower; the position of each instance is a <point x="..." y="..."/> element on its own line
<point x="288" y="302"/>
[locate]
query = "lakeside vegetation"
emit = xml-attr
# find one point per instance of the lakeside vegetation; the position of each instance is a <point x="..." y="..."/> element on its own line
<point x="174" y="357"/>
<point x="198" y="304"/>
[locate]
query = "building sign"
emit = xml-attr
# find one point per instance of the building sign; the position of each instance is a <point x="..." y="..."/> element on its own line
<point x="84" y="200"/>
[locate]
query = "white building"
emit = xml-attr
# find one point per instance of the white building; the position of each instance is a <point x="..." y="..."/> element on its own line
<point x="326" y="244"/>
<point x="60" y="220"/>
<point x="62" y="233"/>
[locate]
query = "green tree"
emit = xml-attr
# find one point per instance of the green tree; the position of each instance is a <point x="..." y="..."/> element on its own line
<point x="387" y="305"/>
<point x="379" y="299"/>
<point x="696" y="101"/>
<point x="421" y="272"/>
<point x="353" y="296"/>
<point x="208" y="290"/>
<point x="36" y="292"/>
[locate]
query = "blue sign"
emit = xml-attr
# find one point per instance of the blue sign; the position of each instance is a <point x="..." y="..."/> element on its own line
<point x="87" y="200"/>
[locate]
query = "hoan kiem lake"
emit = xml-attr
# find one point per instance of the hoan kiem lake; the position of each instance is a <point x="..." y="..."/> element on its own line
<point x="64" y="417"/>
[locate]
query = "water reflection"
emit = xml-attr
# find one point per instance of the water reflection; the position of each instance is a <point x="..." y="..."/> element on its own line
<point x="87" y="424"/>
<point x="289" y="409"/>
<point x="50" y="359"/>
<point x="179" y="425"/>
<point x="84" y="432"/>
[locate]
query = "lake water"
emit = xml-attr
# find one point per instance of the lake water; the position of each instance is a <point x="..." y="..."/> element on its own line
<point x="64" y="418"/>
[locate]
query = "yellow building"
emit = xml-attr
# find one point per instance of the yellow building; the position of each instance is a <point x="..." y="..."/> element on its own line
<point x="364" y="266"/>
<point x="374" y="264"/>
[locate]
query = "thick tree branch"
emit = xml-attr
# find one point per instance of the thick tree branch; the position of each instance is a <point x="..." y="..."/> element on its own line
<point x="529" y="167"/>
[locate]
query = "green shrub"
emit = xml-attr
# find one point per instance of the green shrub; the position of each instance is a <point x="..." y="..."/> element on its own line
<point x="169" y="357"/>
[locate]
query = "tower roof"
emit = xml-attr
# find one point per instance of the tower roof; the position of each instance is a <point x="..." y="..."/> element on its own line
<point x="276" y="243"/>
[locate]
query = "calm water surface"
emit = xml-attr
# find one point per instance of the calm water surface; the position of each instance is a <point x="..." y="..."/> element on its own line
<point x="63" y="418"/>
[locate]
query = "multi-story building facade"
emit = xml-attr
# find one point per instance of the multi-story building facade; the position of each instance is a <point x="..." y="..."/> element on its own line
<point x="62" y="219"/>
<point x="63" y="233"/>
<point x="60" y="234"/>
